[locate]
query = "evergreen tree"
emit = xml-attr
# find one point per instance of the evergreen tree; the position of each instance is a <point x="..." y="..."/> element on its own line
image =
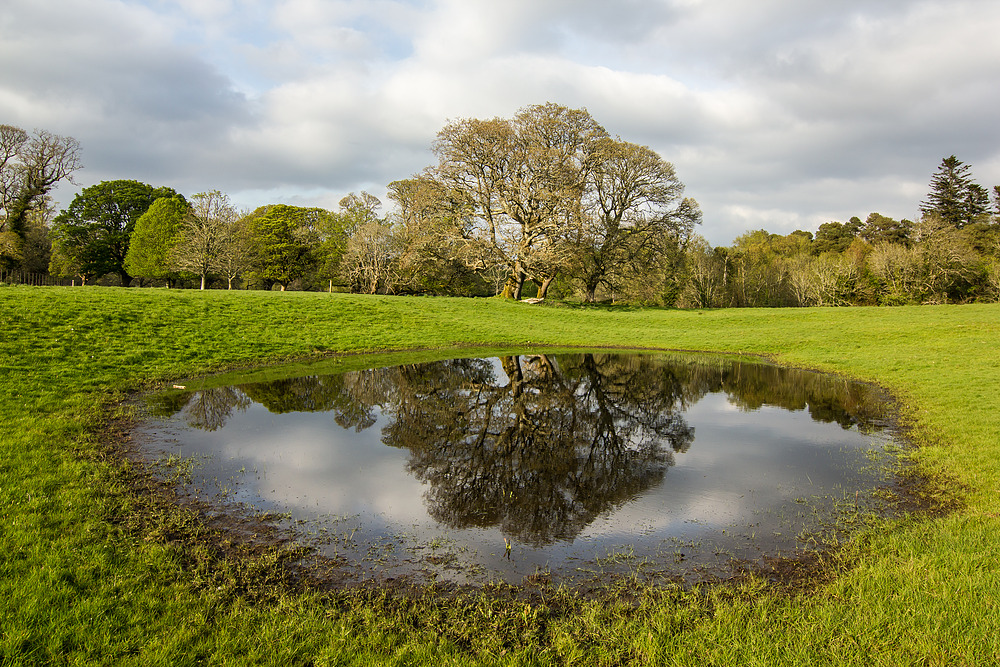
<point x="954" y="196"/>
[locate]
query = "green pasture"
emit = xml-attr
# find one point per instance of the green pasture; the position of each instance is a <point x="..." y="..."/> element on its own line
<point x="95" y="571"/>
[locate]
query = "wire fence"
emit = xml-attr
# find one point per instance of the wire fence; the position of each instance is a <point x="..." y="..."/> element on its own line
<point x="8" y="277"/>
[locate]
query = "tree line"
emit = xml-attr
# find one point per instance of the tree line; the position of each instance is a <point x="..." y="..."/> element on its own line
<point x="545" y="203"/>
<point x="950" y="255"/>
<point x="513" y="206"/>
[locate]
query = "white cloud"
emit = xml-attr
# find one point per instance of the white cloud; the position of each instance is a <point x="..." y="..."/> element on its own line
<point x="776" y="112"/>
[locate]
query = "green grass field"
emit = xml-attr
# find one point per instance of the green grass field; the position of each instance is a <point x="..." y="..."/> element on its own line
<point x="94" y="572"/>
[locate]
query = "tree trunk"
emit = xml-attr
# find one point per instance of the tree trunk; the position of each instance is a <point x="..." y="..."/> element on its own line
<point x="515" y="283"/>
<point x="512" y="367"/>
<point x="543" y="287"/>
<point x="518" y="286"/>
<point x="203" y="281"/>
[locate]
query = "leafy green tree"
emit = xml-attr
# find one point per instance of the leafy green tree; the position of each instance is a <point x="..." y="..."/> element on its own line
<point x="64" y="263"/>
<point x="96" y="228"/>
<point x="284" y="237"/>
<point x="792" y="245"/>
<point x="332" y="232"/>
<point x="760" y="275"/>
<point x="978" y="203"/>
<point x="881" y="229"/>
<point x="985" y="238"/>
<point x="833" y="237"/>
<point x="358" y="210"/>
<point x="32" y="251"/>
<point x="156" y="233"/>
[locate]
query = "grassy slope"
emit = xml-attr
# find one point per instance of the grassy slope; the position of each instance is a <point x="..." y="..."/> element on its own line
<point x="79" y="583"/>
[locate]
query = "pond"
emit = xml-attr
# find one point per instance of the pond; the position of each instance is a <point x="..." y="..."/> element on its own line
<point x="569" y="467"/>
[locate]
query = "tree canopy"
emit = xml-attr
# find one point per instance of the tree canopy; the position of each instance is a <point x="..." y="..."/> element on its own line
<point x="545" y="200"/>
<point x="632" y="211"/>
<point x="285" y="239"/>
<point x="95" y="230"/>
<point x="156" y="233"/>
<point x="545" y="193"/>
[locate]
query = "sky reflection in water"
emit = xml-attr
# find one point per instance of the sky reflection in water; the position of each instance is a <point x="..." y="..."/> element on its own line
<point x="584" y="462"/>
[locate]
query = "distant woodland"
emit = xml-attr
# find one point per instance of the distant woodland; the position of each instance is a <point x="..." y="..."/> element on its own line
<point x="545" y="204"/>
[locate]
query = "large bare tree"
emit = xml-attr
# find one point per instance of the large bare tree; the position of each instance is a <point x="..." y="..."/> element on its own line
<point x="236" y="251"/>
<point x="30" y="166"/>
<point x="545" y="193"/>
<point x="524" y="179"/>
<point x="370" y="262"/>
<point x="203" y="233"/>
<point x="632" y="206"/>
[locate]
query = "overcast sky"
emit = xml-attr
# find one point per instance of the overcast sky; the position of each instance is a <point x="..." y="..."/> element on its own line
<point x="777" y="114"/>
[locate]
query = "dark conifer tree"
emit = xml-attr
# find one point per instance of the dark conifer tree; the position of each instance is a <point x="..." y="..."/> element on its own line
<point x="954" y="196"/>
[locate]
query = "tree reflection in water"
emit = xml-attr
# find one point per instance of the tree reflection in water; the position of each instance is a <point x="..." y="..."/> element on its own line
<point x="537" y="445"/>
<point x="208" y="409"/>
<point x="542" y="452"/>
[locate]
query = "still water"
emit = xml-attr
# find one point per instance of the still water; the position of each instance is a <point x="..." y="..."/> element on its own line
<point x="572" y="467"/>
